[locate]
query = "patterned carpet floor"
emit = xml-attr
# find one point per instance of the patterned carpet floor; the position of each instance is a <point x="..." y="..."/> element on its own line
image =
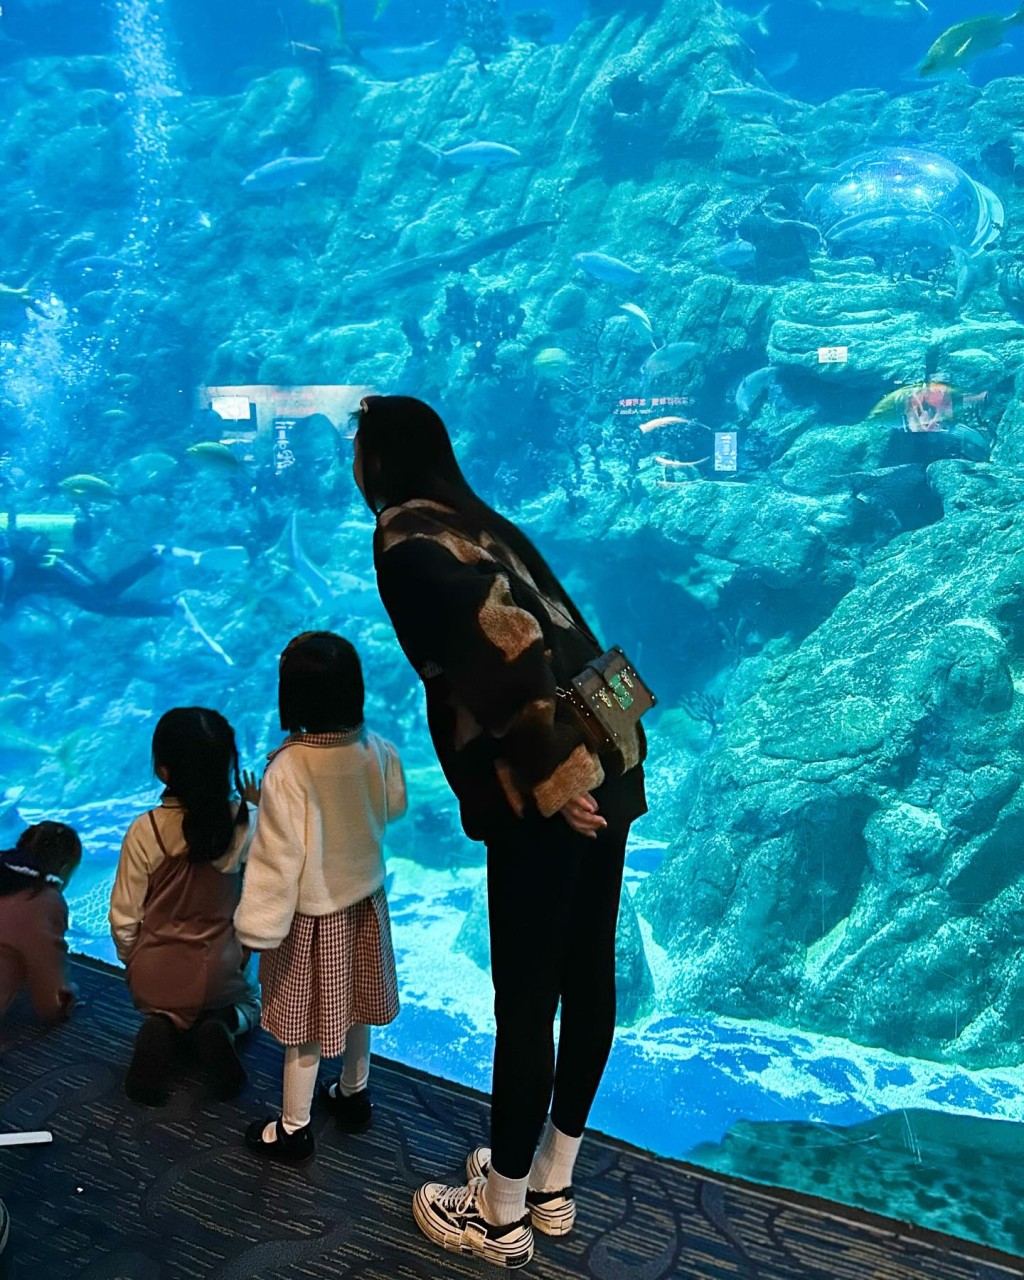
<point x="128" y="1193"/>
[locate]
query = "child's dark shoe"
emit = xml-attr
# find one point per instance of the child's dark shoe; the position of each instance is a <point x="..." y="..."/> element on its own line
<point x="215" y="1046"/>
<point x="148" y="1078"/>
<point x="291" y="1148"/>
<point x="351" y="1115"/>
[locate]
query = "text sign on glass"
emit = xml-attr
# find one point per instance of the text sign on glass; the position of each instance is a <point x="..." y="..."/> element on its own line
<point x="725" y="450"/>
<point x="833" y="355"/>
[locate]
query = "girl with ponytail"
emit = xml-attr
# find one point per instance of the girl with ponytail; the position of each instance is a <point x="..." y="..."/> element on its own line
<point x="178" y="884"/>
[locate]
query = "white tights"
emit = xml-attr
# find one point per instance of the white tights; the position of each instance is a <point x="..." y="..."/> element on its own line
<point x="301" y="1063"/>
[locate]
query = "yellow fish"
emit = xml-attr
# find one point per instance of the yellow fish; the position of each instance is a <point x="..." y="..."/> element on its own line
<point x="966" y="41"/>
<point x="552" y="362"/>
<point x="88" y="488"/>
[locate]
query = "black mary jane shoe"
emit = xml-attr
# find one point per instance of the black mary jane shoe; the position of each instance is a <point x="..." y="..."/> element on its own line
<point x="290" y="1148"/>
<point x="351" y="1115"/>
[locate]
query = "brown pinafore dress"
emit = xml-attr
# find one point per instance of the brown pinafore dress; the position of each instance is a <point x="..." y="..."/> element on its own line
<point x="187" y="959"/>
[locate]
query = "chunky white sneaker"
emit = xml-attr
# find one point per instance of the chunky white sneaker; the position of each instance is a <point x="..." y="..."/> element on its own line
<point x="553" y="1213"/>
<point x="452" y="1218"/>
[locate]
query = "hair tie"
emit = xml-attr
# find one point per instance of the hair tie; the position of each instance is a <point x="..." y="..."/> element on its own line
<point x="33" y="873"/>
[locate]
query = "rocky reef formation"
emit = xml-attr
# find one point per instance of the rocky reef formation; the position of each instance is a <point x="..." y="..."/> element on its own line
<point x="836" y="633"/>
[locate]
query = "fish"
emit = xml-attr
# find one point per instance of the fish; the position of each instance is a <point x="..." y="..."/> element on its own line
<point x="194" y="625"/>
<point x="21" y="753"/>
<point x="750" y="100"/>
<point x="229" y="559"/>
<point x="145" y="471"/>
<point x="639" y="320"/>
<point x="213" y="456"/>
<point x="426" y="266"/>
<point x="475" y="155"/>
<point x="753" y="22"/>
<point x="336" y="8"/>
<point x="656" y="424"/>
<point x="604" y="267"/>
<point x="403" y="62"/>
<point x="283" y="173"/>
<point x="669" y="358"/>
<point x="14" y="302"/>
<point x="216" y="559"/>
<point x="896" y="9"/>
<point x="89" y="488"/>
<point x="312" y="577"/>
<point x="752" y="389"/>
<point x="924" y="406"/>
<point x="737" y="255"/>
<point x="964" y="42"/>
<point x="552" y="362"/>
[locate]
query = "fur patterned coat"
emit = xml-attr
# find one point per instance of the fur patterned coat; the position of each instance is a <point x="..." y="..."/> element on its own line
<point x="491" y="650"/>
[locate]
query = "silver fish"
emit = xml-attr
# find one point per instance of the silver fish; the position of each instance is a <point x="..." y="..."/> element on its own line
<point x="639" y="320"/>
<point x="476" y="155"/>
<point x="669" y="358"/>
<point x="603" y="266"/>
<point x="753" y="387"/>
<point x="283" y="173"/>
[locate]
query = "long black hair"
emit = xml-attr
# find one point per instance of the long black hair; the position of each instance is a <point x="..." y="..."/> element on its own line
<point x="405" y="452"/>
<point x="47" y="853"/>
<point x="196" y="748"/>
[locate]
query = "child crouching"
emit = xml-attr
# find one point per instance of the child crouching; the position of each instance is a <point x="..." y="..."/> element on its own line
<point x="34" y="917"/>
<point x="178" y="884"/>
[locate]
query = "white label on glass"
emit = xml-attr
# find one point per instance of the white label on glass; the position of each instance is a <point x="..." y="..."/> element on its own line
<point x="725" y="450"/>
<point x="833" y="355"/>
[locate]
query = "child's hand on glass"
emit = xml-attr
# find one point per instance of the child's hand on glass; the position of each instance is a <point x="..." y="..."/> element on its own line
<point x="250" y="787"/>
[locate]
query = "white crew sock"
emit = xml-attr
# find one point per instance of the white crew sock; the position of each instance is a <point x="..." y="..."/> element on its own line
<point x="555" y="1159"/>
<point x="355" y="1073"/>
<point x="301" y="1063"/>
<point x="503" y="1200"/>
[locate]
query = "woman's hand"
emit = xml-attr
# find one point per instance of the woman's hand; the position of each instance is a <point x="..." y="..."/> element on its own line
<point x="582" y="815"/>
<point x="250" y="787"/>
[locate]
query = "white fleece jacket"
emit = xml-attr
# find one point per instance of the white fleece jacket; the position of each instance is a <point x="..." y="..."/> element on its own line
<point x="318" y="842"/>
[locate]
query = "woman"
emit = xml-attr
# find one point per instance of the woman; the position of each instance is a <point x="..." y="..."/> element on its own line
<point x="490" y="631"/>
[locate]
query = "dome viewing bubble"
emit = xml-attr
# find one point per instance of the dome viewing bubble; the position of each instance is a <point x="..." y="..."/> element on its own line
<point x="902" y="198"/>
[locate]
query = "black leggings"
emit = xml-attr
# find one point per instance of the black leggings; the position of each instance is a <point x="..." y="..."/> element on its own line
<point x="553" y="901"/>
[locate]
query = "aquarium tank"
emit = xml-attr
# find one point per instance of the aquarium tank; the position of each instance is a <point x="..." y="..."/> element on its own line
<point x="724" y="304"/>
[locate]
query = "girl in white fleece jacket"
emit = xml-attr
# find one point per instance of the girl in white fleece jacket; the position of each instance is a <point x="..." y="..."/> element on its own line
<point x="313" y="901"/>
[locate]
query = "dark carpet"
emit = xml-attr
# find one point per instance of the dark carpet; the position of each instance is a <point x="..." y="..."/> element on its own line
<point x="126" y="1193"/>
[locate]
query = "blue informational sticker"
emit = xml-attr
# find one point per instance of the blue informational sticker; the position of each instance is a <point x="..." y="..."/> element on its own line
<point x="725" y="451"/>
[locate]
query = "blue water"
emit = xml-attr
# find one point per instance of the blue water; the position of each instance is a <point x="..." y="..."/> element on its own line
<point x="224" y="221"/>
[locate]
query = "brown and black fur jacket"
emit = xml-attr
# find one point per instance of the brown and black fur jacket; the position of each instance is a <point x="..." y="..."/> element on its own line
<point x="491" y="650"/>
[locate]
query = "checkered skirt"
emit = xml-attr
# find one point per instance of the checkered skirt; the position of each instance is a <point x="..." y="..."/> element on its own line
<point x="330" y="972"/>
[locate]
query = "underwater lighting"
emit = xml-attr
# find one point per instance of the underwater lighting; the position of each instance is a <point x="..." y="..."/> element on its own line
<point x="232" y="408"/>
